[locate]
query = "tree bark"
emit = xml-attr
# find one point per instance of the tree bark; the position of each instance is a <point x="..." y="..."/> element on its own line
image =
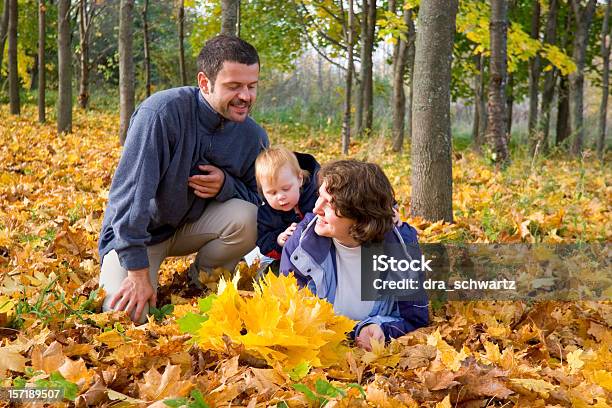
<point x="83" y="97"/>
<point x="483" y="114"/>
<point x="432" y="180"/>
<point x="398" y="102"/>
<point x="42" y="80"/>
<point x="563" y="111"/>
<point x="476" y="101"/>
<point x="126" y="68"/>
<point x="229" y="17"/>
<point x="367" y="81"/>
<point x="147" y="57"/>
<point x="496" y="133"/>
<point x="4" y="28"/>
<point x="534" y="81"/>
<point x="13" y="70"/>
<point x="346" y="123"/>
<point x="582" y="17"/>
<point x="181" y="35"/>
<point x="605" y="87"/>
<point x="64" y="68"/>
<point x="359" y="102"/>
<point x="509" y="106"/>
<point x="550" y="77"/>
<point x="410" y="68"/>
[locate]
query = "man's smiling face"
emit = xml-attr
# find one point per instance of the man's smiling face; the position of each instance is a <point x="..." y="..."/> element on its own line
<point x="234" y="90"/>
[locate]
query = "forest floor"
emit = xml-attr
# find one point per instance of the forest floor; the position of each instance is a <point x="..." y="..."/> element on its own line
<point x="53" y="190"/>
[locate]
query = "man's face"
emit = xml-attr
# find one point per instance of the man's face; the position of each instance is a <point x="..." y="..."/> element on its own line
<point x="234" y="91"/>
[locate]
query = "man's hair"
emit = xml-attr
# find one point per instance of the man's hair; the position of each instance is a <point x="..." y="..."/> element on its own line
<point x="223" y="48"/>
<point x="360" y="191"/>
<point x="270" y="161"/>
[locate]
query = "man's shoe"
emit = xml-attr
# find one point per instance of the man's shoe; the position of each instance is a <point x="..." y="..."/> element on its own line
<point x="194" y="276"/>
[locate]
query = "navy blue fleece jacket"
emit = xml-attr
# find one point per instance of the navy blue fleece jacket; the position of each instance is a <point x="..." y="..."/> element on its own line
<point x="271" y="222"/>
<point x="170" y="134"/>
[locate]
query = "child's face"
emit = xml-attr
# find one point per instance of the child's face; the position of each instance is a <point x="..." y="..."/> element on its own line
<point x="284" y="193"/>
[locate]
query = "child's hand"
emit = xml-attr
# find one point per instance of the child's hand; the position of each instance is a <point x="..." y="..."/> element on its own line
<point x="284" y="236"/>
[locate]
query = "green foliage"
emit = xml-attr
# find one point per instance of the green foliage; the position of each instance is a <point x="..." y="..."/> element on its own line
<point x="273" y="27"/>
<point x="161" y="313"/>
<point x="196" y="401"/>
<point x="324" y="390"/>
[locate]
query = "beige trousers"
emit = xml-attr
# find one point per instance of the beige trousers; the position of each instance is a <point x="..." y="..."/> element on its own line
<point x="223" y="234"/>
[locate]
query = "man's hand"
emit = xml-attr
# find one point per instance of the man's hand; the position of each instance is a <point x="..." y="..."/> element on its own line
<point x="284" y="236"/>
<point x="369" y="332"/>
<point x="209" y="184"/>
<point x="134" y="293"/>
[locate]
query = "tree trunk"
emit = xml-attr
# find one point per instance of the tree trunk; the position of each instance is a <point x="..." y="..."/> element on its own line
<point x="550" y="76"/>
<point x="359" y="102"/>
<point x="181" y="34"/>
<point x="64" y="68"/>
<point x="483" y="114"/>
<point x="147" y="57"/>
<point x="367" y="81"/>
<point x="126" y="68"/>
<point x="432" y="182"/>
<point x="4" y="28"/>
<point x="563" y="110"/>
<point x="534" y="81"/>
<point x="229" y="17"/>
<point x="13" y="71"/>
<point x="346" y="123"/>
<point x="605" y="56"/>
<point x="496" y="133"/>
<point x="583" y="17"/>
<point x="410" y="68"/>
<point x="83" y="97"/>
<point x="42" y="80"/>
<point x="398" y="103"/>
<point x="476" y="102"/>
<point x="509" y="106"/>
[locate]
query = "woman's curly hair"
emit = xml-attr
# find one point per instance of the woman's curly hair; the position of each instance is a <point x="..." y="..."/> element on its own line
<point x="362" y="192"/>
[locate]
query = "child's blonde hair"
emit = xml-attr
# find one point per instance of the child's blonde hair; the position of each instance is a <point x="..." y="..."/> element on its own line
<point x="271" y="161"/>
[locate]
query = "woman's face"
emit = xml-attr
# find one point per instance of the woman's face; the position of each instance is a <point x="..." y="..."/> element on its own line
<point x="329" y="224"/>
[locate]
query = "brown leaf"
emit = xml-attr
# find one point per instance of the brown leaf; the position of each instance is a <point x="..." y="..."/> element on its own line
<point x="48" y="360"/>
<point x="157" y="386"/>
<point x="417" y="356"/>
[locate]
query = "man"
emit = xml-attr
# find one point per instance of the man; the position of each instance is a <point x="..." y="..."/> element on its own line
<point x="186" y="179"/>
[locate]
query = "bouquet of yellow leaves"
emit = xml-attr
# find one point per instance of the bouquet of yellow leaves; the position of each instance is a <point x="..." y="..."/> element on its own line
<point x="280" y="323"/>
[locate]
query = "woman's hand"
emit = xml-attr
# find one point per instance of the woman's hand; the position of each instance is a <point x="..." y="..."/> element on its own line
<point x="284" y="236"/>
<point x="396" y="217"/>
<point x="369" y="332"/>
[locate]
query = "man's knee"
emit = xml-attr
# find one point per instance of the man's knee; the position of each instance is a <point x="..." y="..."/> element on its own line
<point x="241" y="221"/>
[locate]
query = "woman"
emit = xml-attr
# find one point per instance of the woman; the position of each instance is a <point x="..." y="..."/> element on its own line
<point x="355" y="207"/>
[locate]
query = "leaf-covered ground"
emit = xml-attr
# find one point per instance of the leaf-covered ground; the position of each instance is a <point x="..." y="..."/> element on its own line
<point x="53" y="190"/>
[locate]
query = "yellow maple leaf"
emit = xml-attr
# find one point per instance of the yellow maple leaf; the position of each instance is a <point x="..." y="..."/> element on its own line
<point x="445" y="403"/>
<point x="542" y="387"/>
<point x="279" y="323"/>
<point x="574" y="362"/>
<point x="450" y="357"/>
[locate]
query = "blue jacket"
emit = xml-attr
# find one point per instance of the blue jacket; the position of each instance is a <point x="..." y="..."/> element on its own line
<point x="312" y="258"/>
<point x="271" y="223"/>
<point x="170" y="134"/>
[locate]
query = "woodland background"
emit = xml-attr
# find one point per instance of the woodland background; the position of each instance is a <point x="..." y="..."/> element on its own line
<point x="488" y="117"/>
